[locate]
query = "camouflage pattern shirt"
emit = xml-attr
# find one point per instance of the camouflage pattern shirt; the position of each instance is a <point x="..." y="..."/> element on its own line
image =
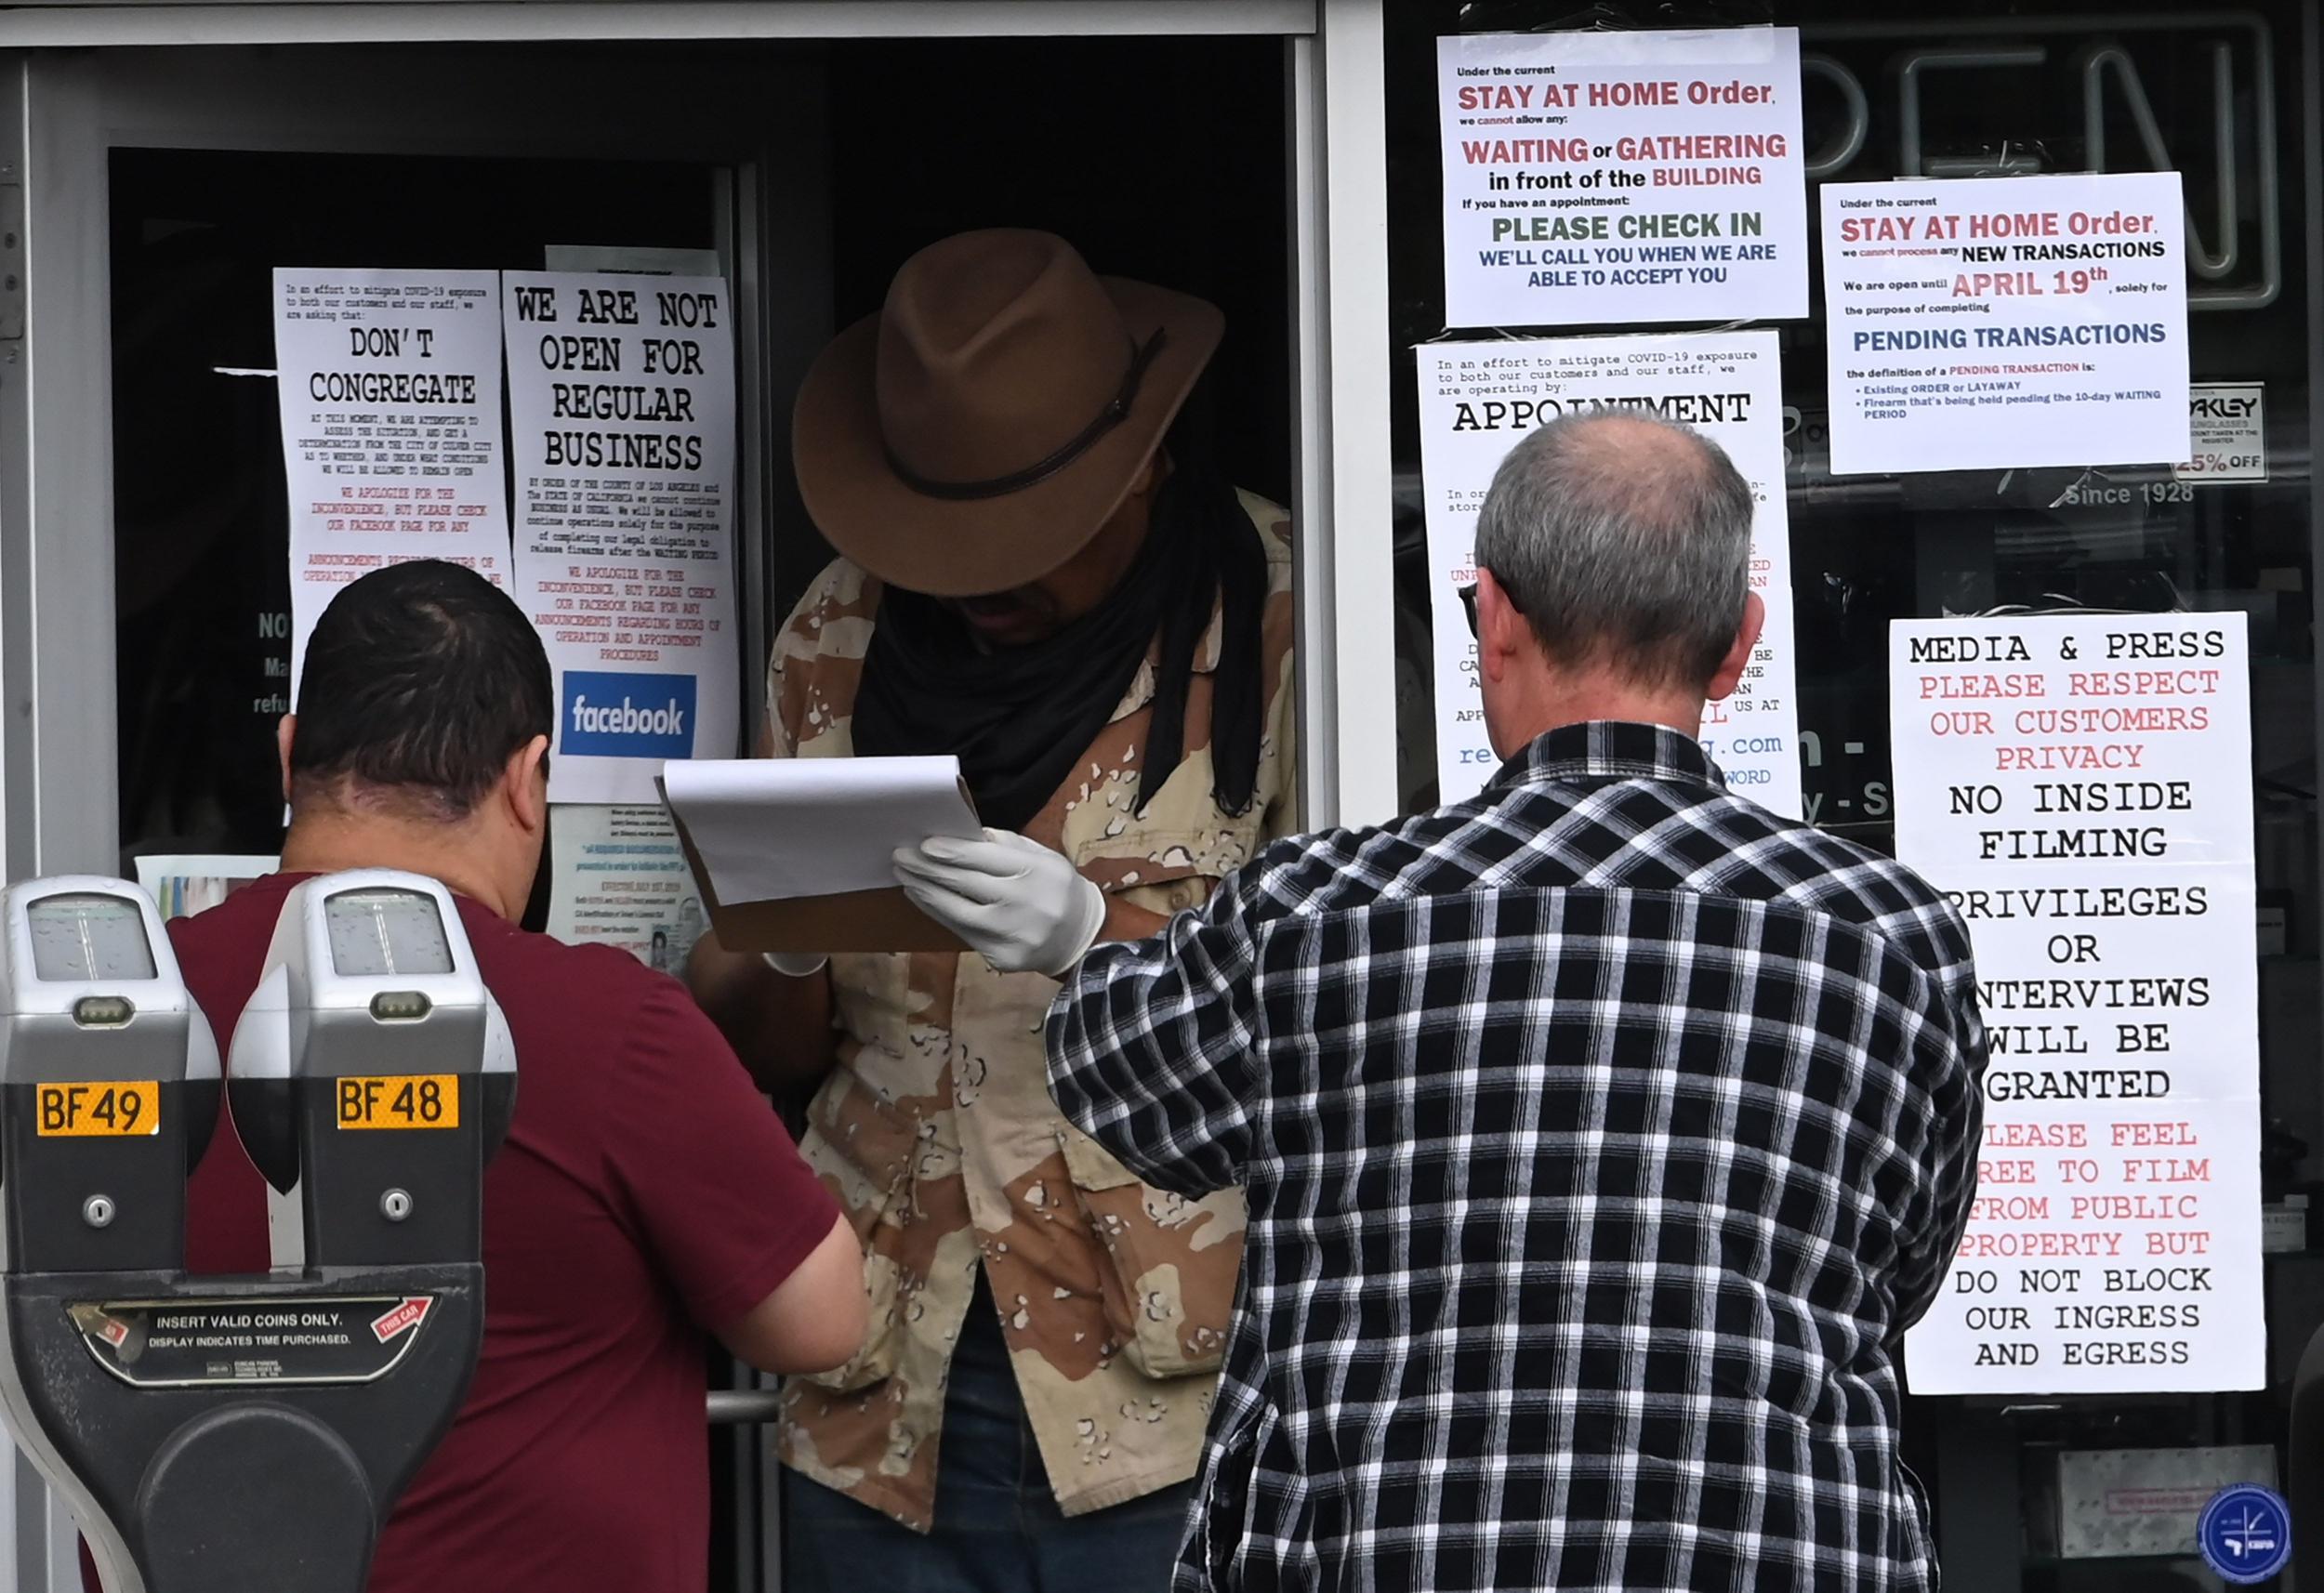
<point x="937" y="1133"/>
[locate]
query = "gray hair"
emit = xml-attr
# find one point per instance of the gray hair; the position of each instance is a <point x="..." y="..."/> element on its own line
<point x="1625" y="539"/>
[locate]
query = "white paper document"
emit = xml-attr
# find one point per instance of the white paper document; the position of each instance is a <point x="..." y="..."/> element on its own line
<point x="389" y="388"/>
<point x="778" y="829"/>
<point x="617" y="879"/>
<point x="1600" y="177"/>
<point x="2080" y="786"/>
<point x="1479" y="400"/>
<point x="621" y="403"/>
<point x="1985" y="324"/>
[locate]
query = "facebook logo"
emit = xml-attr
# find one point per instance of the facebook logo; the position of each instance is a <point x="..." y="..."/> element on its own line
<point x="628" y="716"/>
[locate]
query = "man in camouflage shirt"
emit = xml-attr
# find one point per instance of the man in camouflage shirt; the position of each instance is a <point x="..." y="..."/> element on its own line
<point x="1101" y="631"/>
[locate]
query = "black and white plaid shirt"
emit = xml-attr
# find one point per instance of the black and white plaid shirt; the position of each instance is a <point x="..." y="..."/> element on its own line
<point x="1602" y="1134"/>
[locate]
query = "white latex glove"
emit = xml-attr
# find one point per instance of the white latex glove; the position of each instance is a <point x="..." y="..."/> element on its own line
<point x="796" y="965"/>
<point x="1024" y="906"/>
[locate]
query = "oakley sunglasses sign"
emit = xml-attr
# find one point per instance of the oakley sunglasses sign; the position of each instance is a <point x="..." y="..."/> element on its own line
<point x="1480" y="400"/>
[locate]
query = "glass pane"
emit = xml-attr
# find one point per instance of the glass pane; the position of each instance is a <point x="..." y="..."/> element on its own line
<point x="77" y="939"/>
<point x="2020" y="87"/>
<point x="202" y="583"/>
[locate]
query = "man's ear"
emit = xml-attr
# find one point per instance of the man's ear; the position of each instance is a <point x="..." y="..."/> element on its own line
<point x="1504" y="635"/>
<point x="286" y="732"/>
<point x="524" y="786"/>
<point x="1730" y="672"/>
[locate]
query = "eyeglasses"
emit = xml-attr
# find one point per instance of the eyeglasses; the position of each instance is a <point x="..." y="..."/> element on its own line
<point x="1469" y="603"/>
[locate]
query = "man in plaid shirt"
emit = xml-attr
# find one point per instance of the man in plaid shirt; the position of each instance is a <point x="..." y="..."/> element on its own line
<point x="1601" y="1134"/>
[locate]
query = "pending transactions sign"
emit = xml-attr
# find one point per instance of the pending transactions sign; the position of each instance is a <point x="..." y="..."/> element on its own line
<point x="2000" y="322"/>
<point x="2080" y="787"/>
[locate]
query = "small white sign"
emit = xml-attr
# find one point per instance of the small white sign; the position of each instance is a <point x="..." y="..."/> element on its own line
<point x="2230" y="423"/>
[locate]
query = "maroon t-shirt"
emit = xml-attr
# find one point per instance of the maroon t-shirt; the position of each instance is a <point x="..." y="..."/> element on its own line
<point x="646" y="1193"/>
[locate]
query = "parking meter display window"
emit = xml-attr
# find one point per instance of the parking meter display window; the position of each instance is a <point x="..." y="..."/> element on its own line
<point x="386" y="933"/>
<point x="209" y="1343"/>
<point x="80" y="939"/>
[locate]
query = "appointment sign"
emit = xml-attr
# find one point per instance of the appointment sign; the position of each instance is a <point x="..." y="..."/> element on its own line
<point x="2080" y="788"/>
<point x="1478" y="400"/>
<point x="1998" y="322"/>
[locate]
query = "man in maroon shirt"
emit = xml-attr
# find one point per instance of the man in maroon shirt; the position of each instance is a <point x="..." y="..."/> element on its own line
<point x="646" y="1193"/>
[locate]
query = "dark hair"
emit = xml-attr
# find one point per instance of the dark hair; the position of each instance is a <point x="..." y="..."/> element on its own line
<point x="421" y="680"/>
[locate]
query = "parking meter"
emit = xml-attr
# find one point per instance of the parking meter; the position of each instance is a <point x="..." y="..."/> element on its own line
<point x="373" y="1072"/>
<point x="112" y="1080"/>
<point x="248" y="1432"/>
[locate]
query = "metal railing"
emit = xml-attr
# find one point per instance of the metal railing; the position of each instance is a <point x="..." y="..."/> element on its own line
<point x="744" y="1408"/>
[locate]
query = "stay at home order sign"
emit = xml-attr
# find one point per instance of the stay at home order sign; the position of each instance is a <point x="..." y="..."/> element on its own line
<point x="1998" y="322"/>
<point x="1598" y="178"/>
<point x="2080" y="788"/>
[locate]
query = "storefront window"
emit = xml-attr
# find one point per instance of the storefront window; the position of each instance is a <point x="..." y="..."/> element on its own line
<point x="2002" y="89"/>
<point x="202" y="552"/>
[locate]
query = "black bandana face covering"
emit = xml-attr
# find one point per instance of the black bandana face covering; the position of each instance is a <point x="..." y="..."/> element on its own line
<point x="1020" y="718"/>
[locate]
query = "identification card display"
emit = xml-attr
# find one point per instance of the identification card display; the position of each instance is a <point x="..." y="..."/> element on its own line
<point x="400" y="1101"/>
<point x="126" y="1109"/>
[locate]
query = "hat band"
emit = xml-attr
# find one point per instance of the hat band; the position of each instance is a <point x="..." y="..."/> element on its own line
<point x="1112" y="415"/>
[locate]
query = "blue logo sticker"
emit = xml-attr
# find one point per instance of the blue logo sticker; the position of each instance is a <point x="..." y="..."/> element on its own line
<point x="628" y="715"/>
<point x="2245" y="1533"/>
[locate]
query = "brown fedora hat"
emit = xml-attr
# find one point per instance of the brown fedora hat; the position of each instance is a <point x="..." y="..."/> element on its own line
<point x="977" y="433"/>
